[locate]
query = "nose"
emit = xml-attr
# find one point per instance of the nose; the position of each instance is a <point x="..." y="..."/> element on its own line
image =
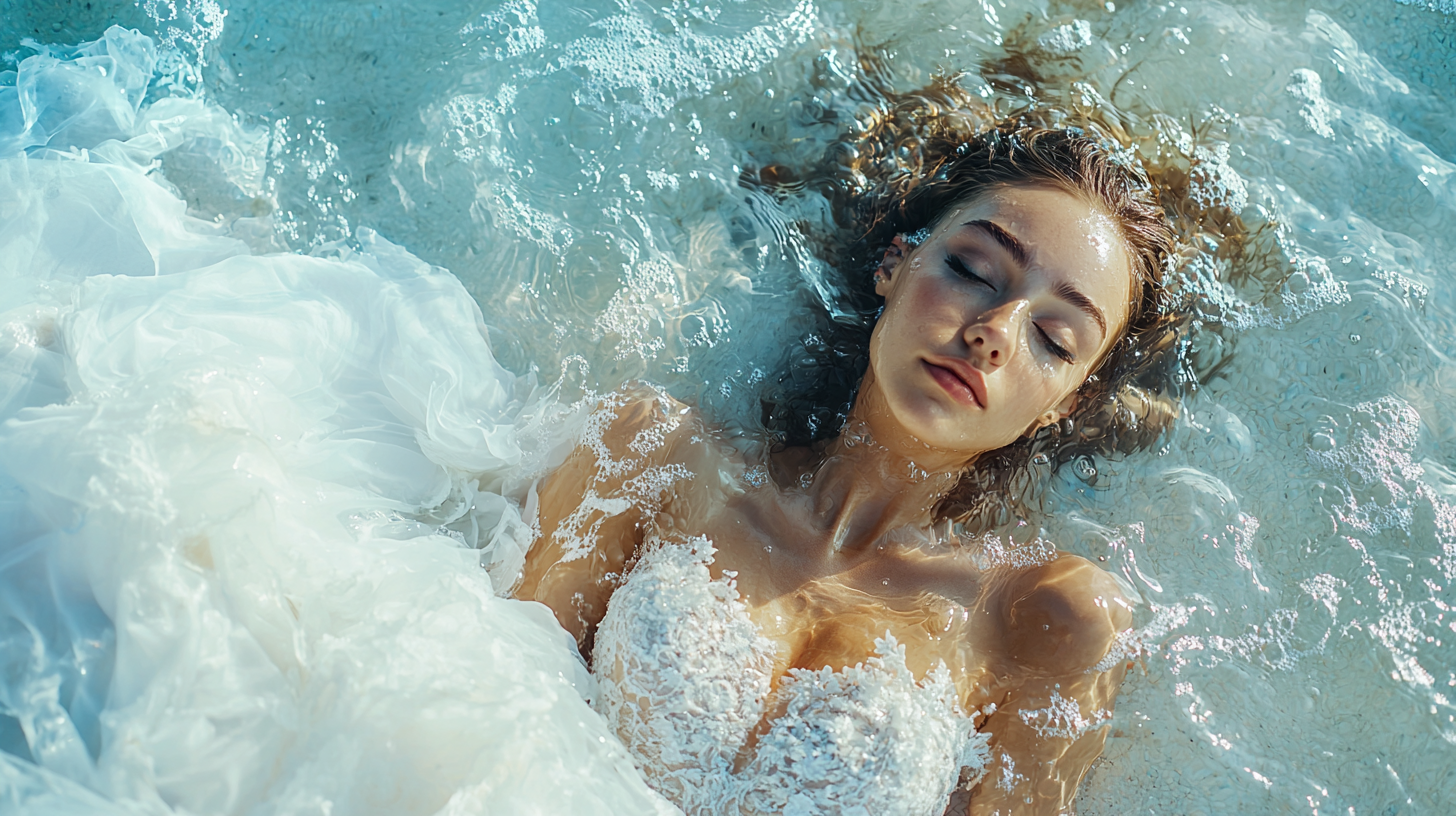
<point x="991" y="335"/>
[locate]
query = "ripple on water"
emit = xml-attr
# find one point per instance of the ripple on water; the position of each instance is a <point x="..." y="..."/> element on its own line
<point x="1294" y="543"/>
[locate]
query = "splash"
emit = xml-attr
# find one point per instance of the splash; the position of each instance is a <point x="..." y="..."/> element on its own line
<point x="186" y="32"/>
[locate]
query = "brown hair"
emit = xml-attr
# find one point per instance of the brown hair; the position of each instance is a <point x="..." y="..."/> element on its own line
<point x="925" y="154"/>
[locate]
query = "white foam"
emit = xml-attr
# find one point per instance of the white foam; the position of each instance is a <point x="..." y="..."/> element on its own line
<point x="1306" y="86"/>
<point x="636" y="68"/>
<point x="1443" y="6"/>
<point x="1213" y="183"/>
<point x="1067" y="39"/>
<point x="517" y="20"/>
<point x="1063" y="718"/>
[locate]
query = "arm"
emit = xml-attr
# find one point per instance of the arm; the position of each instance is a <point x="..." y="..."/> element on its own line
<point x="591" y="509"/>
<point x="1060" y="621"/>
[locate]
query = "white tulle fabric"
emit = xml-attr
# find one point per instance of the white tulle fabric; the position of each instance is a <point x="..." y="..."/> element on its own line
<point x="241" y="498"/>
<point x="686" y="678"/>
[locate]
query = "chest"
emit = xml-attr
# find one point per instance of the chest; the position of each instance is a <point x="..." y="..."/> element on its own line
<point x="692" y="686"/>
<point x="822" y="609"/>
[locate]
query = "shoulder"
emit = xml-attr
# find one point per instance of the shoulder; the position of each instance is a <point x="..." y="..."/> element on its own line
<point x="637" y="421"/>
<point x="1061" y="617"/>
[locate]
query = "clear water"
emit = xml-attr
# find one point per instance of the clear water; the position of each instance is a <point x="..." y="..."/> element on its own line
<point x="575" y="167"/>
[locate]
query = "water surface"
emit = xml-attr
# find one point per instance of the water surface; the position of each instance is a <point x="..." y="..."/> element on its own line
<point x="575" y="167"/>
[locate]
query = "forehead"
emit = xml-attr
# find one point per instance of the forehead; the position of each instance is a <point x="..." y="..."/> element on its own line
<point x="1068" y="240"/>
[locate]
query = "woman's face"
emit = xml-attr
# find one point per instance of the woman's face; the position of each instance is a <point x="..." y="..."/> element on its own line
<point x="992" y="323"/>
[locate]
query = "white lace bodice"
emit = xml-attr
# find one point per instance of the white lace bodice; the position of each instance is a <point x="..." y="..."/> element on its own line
<point x="686" y="677"/>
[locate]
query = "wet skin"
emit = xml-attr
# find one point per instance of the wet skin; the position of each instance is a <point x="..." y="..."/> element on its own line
<point x="989" y="328"/>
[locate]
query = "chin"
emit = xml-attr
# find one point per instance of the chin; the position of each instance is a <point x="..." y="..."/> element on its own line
<point x="912" y="419"/>
<point x="931" y="428"/>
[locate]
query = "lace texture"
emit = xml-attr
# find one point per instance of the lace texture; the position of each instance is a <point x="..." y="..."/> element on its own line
<point x="685" y="676"/>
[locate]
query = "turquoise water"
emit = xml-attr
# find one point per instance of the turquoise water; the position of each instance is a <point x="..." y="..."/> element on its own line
<point x="575" y="167"/>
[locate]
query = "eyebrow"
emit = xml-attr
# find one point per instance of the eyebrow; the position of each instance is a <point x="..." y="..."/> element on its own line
<point x="1064" y="291"/>
<point x="1067" y="292"/>
<point x="1007" y="241"/>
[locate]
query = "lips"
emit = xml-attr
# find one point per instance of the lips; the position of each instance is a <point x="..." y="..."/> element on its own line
<point x="962" y="382"/>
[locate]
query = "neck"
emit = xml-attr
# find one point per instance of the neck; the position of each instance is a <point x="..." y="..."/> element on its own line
<point x="863" y="488"/>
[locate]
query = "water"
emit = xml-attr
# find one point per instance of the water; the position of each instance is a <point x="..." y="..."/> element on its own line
<point x="244" y="590"/>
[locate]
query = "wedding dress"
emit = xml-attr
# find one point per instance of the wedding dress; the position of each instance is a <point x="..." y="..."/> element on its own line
<point x="685" y="678"/>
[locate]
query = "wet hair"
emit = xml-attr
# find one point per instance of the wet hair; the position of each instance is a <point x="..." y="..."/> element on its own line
<point x="918" y="158"/>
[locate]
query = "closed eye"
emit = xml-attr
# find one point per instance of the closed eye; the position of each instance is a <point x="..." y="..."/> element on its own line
<point x="1052" y="346"/>
<point x="959" y="267"/>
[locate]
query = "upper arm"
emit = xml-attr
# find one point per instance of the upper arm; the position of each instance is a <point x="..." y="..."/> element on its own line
<point x="1061" y="620"/>
<point x="592" y="508"/>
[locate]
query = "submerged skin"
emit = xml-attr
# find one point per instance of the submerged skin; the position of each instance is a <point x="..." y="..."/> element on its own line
<point x="989" y="328"/>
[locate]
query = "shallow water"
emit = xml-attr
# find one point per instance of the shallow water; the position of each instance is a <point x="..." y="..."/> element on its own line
<point x="575" y="167"/>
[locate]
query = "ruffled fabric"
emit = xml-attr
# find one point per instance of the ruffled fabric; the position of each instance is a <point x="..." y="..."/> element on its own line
<point x="686" y="678"/>
<point x="246" y="500"/>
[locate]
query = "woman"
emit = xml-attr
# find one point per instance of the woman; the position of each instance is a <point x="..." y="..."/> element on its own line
<point x="800" y="630"/>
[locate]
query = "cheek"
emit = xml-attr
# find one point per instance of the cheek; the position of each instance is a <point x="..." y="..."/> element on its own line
<point x="907" y="319"/>
<point x="1040" y="388"/>
<point x="928" y="311"/>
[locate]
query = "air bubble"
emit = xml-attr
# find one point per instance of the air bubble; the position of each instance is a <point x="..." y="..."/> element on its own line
<point x="1085" y="469"/>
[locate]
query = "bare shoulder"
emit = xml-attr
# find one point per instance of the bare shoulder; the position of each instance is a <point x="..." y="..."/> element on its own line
<point x="591" y="510"/>
<point x="1061" y="617"/>
<point x="636" y="420"/>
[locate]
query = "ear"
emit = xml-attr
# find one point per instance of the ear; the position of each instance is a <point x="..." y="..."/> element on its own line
<point x="1056" y="413"/>
<point x="895" y="254"/>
